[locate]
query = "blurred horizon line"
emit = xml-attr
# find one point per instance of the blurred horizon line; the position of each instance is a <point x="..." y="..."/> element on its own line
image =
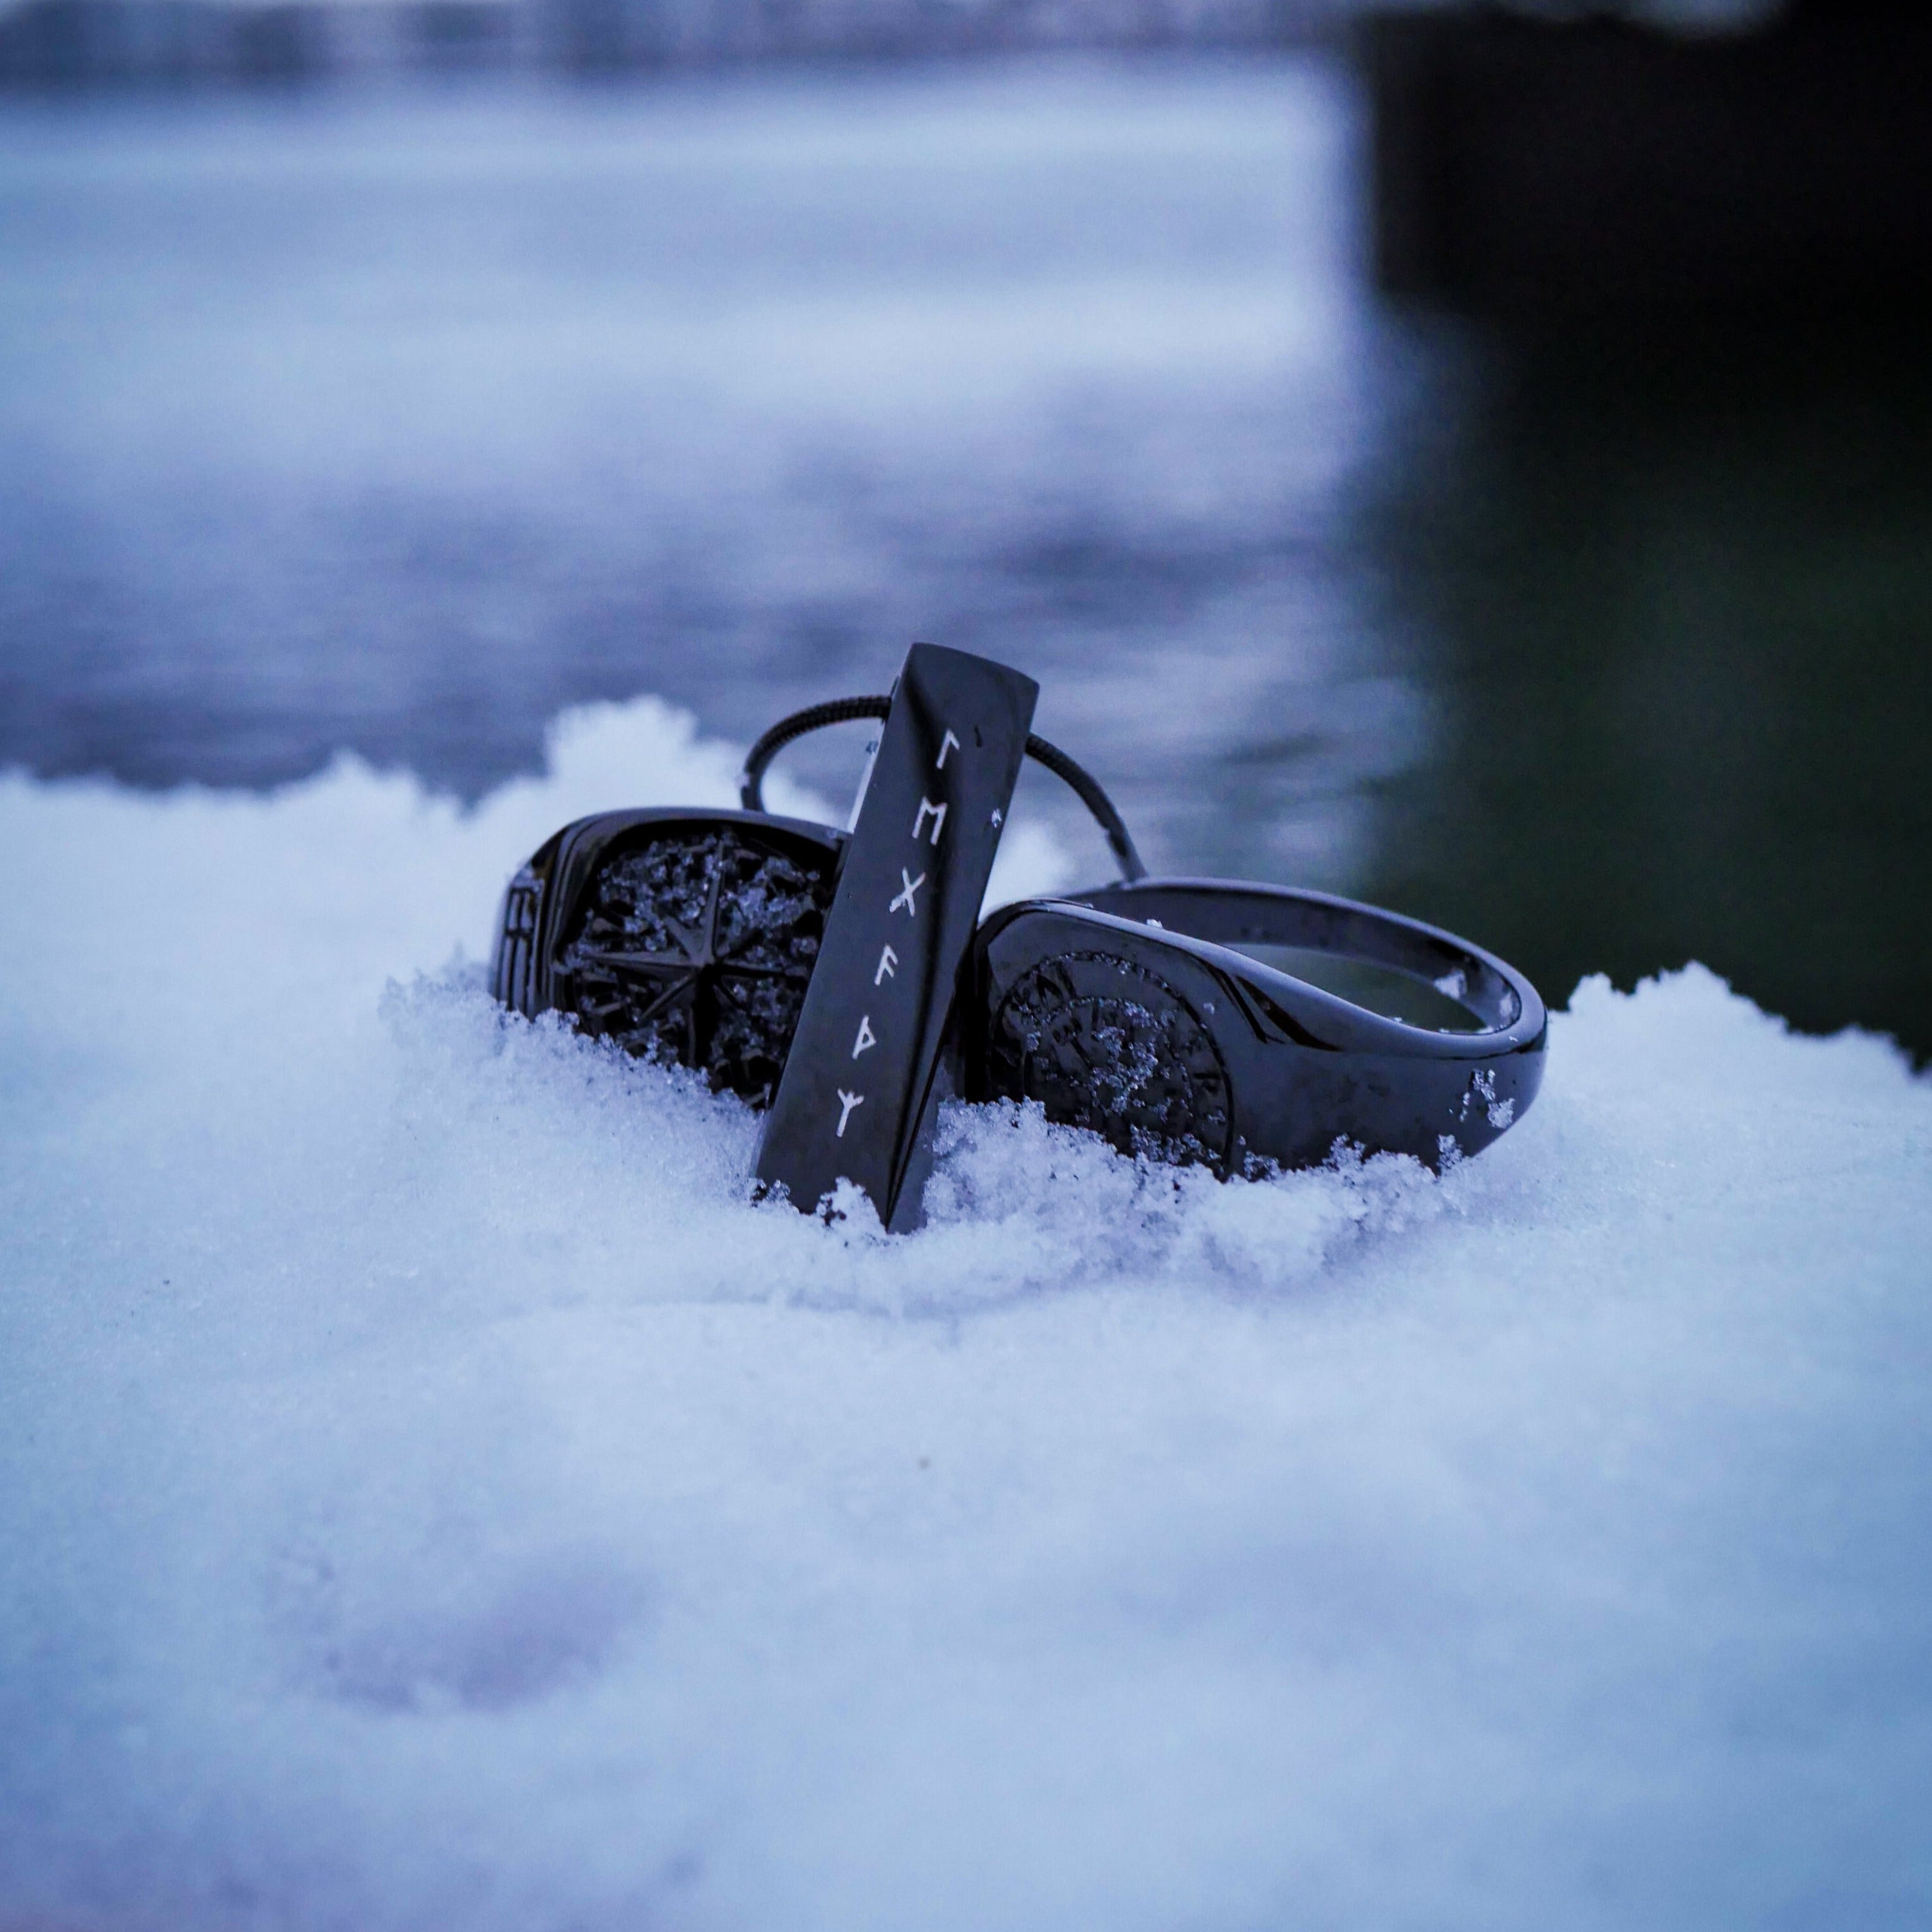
<point x="54" y="43"/>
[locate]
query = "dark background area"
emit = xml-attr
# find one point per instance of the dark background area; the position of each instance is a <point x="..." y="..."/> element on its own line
<point x="1678" y="551"/>
<point x="1677" y="573"/>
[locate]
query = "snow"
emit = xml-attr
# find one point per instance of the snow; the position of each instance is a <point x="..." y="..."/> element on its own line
<point x="432" y="1497"/>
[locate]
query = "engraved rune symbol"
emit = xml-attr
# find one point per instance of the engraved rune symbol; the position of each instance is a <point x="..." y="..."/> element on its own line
<point x="948" y="743"/>
<point x="866" y="1036"/>
<point x="847" y="1102"/>
<point x="938" y="815"/>
<point x="888" y="960"/>
<point x="905" y="898"/>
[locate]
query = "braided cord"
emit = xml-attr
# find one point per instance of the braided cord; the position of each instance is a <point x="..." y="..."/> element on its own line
<point x="844" y="710"/>
<point x="813" y="717"/>
<point x="1086" y="788"/>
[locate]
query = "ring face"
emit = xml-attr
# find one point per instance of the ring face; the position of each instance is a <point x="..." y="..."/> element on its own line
<point x="696" y="948"/>
<point x="1106" y="1044"/>
<point x="1174" y="1044"/>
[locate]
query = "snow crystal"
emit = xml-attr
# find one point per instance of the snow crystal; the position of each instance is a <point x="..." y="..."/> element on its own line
<point x="434" y="1495"/>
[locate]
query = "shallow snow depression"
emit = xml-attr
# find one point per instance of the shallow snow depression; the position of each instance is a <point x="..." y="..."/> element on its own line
<point x="433" y="1498"/>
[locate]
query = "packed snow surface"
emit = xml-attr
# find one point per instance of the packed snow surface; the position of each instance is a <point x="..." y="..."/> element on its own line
<point x="432" y="1497"/>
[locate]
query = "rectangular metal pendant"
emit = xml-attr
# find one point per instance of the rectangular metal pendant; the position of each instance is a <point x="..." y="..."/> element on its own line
<point x="858" y="1095"/>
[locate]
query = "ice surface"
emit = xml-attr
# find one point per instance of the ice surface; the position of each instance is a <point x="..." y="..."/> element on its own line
<point x="432" y="1497"/>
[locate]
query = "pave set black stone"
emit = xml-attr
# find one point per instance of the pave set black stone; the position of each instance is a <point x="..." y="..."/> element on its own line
<point x="698" y="950"/>
<point x="1106" y="1045"/>
<point x="843" y="980"/>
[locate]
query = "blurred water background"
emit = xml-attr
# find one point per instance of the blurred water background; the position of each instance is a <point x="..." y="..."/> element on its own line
<point x="394" y="418"/>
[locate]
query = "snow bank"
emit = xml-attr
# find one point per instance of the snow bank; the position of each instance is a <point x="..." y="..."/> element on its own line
<point x="432" y="1497"/>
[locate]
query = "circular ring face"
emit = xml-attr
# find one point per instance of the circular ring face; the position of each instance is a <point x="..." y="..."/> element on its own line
<point x="698" y="949"/>
<point x="1105" y="1044"/>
